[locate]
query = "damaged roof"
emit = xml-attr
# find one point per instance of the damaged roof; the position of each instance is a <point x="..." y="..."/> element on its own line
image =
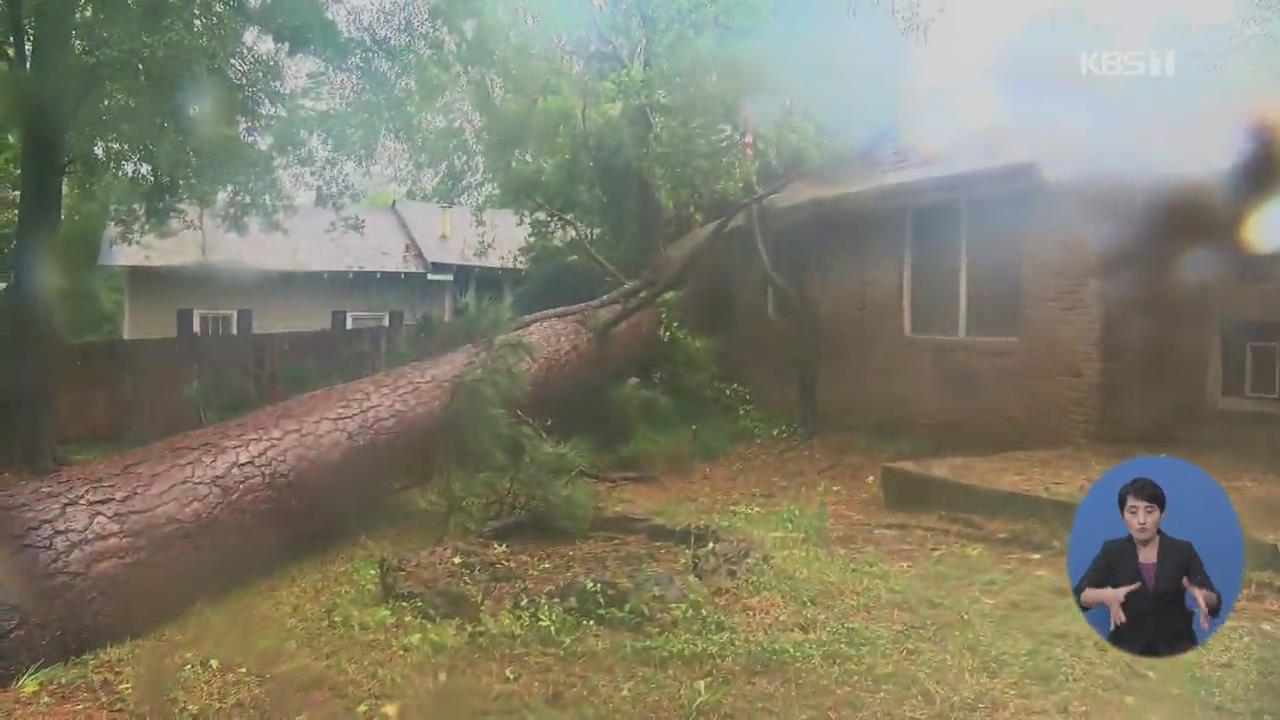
<point x="911" y="177"/>
<point x="406" y="237"/>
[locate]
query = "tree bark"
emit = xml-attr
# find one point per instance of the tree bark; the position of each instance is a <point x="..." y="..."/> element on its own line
<point x="103" y="551"/>
<point x="43" y="136"/>
<point x="99" y="552"/>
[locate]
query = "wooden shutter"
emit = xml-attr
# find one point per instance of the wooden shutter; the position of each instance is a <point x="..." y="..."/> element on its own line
<point x="338" y="320"/>
<point x="244" y="321"/>
<point x="186" y="322"/>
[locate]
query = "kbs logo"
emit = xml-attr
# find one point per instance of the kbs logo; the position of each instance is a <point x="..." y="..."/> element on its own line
<point x="1150" y="63"/>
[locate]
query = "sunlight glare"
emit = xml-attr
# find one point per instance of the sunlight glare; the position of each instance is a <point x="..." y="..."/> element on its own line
<point x="1260" y="231"/>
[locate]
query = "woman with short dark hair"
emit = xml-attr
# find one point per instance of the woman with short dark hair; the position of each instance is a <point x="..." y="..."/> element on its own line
<point x="1144" y="578"/>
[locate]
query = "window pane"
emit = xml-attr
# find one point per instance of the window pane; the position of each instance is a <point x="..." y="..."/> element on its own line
<point x="993" y="248"/>
<point x="205" y="324"/>
<point x="368" y="321"/>
<point x="1262" y="370"/>
<point x="935" y="270"/>
<point x="1241" y="364"/>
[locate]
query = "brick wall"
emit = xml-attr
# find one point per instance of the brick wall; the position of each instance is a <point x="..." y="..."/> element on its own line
<point x="1041" y="388"/>
<point x="1124" y="289"/>
<point x="1160" y="308"/>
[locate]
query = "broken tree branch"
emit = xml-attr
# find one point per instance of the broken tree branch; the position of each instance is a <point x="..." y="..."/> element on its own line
<point x="581" y="234"/>
<point x="789" y="294"/>
<point x="685" y="250"/>
<point x="620" y="476"/>
<point x="806" y="320"/>
<point x="677" y="261"/>
<point x="611" y="298"/>
<point x="671" y="268"/>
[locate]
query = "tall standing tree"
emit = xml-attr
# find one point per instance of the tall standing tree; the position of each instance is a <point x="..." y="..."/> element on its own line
<point x="164" y="103"/>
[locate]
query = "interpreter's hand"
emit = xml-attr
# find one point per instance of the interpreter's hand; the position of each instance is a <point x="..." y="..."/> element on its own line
<point x="1114" y="599"/>
<point x="1203" y="599"/>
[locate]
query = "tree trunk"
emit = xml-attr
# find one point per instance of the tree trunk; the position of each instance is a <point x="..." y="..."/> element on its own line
<point x="42" y="159"/>
<point x="103" y="551"/>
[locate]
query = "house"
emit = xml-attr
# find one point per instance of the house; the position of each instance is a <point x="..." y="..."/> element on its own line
<point x="979" y="299"/>
<point x="317" y="270"/>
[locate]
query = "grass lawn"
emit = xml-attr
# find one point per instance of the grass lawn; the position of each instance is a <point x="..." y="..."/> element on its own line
<point x="858" y="613"/>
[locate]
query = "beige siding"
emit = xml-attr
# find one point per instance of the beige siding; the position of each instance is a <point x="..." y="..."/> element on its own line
<point x="280" y="303"/>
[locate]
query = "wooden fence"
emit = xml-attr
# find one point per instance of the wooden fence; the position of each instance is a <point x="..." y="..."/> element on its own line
<point x="138" y="390"/>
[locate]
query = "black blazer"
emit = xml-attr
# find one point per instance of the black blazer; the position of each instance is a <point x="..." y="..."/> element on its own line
<point x="1157" y="621"/>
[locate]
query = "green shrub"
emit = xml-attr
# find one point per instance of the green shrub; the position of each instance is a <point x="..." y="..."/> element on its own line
<point x="477" y="319"/>
<point x="218" y="401"/>
<point x="495" y="463"/>
<point x="682" y="409"/>
<point x="300" y="377"/>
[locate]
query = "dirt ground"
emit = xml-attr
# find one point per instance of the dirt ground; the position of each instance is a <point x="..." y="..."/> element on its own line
<point x="844" y="469"/>
<point x="862" y="613"/>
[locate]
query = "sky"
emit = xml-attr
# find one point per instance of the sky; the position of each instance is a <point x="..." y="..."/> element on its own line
<point x="1007" y="74"/>
<point x="1011" y="70"/>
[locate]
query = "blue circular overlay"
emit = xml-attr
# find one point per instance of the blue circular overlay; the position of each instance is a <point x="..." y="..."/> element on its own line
<point x="1197" y="509"/>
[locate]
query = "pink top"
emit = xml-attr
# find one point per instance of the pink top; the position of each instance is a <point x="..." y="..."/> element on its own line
<point x="1148" y="573"/>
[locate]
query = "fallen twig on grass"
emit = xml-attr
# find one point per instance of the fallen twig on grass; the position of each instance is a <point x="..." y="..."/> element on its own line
<point x="620" y="476"/>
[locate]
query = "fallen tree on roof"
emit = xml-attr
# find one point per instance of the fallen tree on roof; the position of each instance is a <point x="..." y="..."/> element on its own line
<point x="100" y="552"/>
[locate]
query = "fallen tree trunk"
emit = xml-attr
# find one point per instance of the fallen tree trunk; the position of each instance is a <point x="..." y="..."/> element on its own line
<point x="99" y="552"/>
<point x="103" y="551"/>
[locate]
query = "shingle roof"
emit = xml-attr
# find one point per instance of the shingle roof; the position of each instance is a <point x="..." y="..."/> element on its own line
<point x="316" y="239"/>
<point x="493" y="242"/>
<point x="897" y="177"/>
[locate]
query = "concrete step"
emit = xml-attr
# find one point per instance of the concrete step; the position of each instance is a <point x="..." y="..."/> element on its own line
<point x="907" y="487"/>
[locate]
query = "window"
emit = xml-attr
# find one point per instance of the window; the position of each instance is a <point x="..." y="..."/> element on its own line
<point x="357" y="320"/>
<point x="935" y="269"/>
<point x="1262" y="370"/>
<point x="962" y="270"/>
<point x="1251" y="360"/>
<point x="215" y="322"/>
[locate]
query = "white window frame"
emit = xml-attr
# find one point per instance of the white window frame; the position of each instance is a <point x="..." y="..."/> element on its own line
<point x="963" y="304"/>
<point x="1248" y="369"/>
<point x="196" y="315"/>
<point x="365" y="315"/>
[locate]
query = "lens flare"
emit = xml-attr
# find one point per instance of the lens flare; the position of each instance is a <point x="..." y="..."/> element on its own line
<point x="1260" y="231"/>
